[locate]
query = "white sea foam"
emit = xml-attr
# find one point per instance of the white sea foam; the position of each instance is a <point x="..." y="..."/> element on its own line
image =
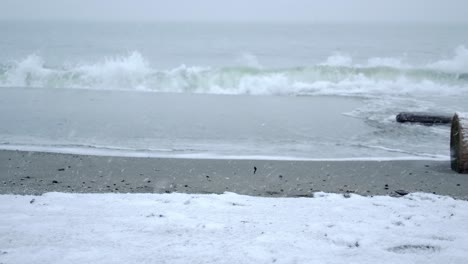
<point x="397" y="63"/>
<point x="28" y="72"/>
<point x="343" y="60"/>
<point x="336" y="76"/>
<point x="457" y="64"/>
<point x="116" y="72"/>
<point x="338" y="59"/>
<point x="250" y="60"/>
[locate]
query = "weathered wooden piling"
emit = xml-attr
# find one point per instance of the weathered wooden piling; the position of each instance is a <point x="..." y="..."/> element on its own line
<point x="459" y="143"/>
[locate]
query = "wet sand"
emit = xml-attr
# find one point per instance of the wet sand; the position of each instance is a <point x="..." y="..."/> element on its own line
<point x="37" y="172"/>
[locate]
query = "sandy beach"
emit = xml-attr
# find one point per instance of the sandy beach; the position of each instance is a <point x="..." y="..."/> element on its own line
<point x="35" y="173"/>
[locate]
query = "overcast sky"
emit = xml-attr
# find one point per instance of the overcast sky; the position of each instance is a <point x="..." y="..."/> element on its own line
<point x="239" y="10"/>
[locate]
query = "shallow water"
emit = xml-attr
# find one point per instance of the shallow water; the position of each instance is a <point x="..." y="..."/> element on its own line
<point x="179" y="124"/>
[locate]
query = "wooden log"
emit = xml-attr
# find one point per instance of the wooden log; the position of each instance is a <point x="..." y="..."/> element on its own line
<point x="459" y="143"/>
<point x="423" y="118"/>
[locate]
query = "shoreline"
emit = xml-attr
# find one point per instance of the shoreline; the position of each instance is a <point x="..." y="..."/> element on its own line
<point x="123" y="153"/>
<point x="35" y="173"/>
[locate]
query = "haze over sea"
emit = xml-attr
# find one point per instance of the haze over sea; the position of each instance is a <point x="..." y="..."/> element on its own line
<point x="206" y="89"/>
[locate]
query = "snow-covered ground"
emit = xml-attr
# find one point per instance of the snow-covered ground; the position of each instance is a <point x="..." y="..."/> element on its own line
<point x="230" y="228"/>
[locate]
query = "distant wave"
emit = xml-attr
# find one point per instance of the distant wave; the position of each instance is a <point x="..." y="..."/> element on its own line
<point x="337" y="75"/>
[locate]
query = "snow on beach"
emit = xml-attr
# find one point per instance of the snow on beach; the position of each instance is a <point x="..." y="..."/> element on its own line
<point x="230" y="228"/>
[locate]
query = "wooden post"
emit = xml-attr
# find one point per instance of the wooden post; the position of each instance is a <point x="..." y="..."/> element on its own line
<point x="459" y="143"/>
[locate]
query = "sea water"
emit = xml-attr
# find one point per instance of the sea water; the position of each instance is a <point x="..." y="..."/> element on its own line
<point x="223" y="90"/>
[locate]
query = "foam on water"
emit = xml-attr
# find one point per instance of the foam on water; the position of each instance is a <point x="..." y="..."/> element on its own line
<point x="338" y="59"/>
<point x="457" y="64"/>
<point x="337" y="75"/>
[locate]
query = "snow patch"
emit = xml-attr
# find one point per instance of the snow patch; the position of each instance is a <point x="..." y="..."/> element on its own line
<point x="230" y="228"/>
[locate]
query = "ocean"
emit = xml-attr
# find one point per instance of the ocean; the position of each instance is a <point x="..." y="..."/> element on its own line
<point x="230" y="90"/>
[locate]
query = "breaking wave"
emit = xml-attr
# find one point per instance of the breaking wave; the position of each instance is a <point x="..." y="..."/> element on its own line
<point x="337" y="75"/>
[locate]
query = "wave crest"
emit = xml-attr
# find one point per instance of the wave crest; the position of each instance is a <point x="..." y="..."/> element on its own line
<point x="336" y="76"/>
<point x="457" y="64"/>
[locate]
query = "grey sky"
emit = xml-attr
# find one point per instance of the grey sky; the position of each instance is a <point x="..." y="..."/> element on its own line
<point x="239" y="10"/>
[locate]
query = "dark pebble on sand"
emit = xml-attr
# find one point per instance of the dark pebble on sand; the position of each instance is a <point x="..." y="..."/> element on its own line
<point x="32" y="201"/>
<point x="54" y="181"/>
<point x="61" y="169"/>
<point x="458" y="184"/>
<point x="401" y="192"/>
